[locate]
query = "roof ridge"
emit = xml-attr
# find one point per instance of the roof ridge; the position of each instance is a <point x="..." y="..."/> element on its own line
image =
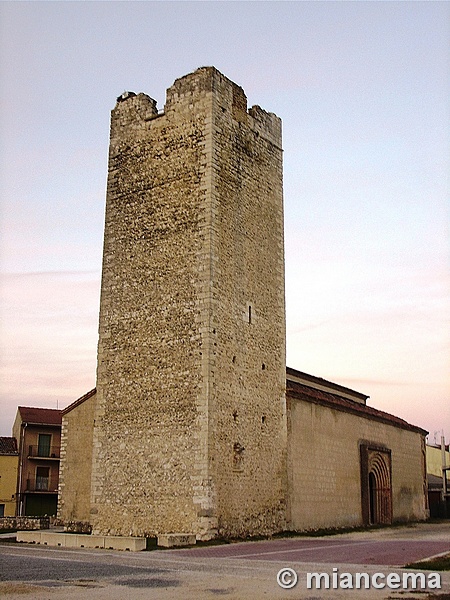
<point x="348" y="405"/>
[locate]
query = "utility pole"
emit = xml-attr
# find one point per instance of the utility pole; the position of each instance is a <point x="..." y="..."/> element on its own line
<point x="445" y="468"/>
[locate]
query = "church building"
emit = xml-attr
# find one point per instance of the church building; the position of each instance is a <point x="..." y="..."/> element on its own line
<point x="195" y="424"/>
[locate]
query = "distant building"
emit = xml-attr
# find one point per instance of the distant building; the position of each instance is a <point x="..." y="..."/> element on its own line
<point x="38" y="435"/>
<point x="9" y="461"/>
<point x="439" y="503"/>
<point x="434" y="459"/>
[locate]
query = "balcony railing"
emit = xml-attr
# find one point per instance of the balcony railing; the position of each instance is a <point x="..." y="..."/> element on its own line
<point x="42" y="484"/>
<point x="51" y="452"/>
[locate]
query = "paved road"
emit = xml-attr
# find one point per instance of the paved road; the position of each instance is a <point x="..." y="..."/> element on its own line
<point x="395" y="553"/>
<point x="243" y="571"/>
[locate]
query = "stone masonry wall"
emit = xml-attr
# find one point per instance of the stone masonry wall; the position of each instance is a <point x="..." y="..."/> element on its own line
<point x="193" y="238"/>
<point x="324" y="459"/>
<point x="148" y="357"/>
<point x="76" y="462"/>
<point x="24" y="523"/>
<point x="248" y="438"/>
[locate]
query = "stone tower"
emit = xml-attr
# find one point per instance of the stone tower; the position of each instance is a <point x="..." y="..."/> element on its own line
<point x="190" y="420"/>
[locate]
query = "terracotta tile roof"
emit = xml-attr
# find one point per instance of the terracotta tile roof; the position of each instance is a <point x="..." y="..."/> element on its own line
<point x="8" y="445"/>
<point x="303" y="392"/>
<point x="79" y="401"/>
<point x="336" y="387"/>
<point x="40" y="416"/>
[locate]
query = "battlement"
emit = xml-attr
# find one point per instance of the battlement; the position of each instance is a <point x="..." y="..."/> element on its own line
<point x="231" y="101"/>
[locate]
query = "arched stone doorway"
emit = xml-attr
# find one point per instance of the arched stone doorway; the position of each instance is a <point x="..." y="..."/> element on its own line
<point x="376" y="485"/>
<point x="372" y="499"/>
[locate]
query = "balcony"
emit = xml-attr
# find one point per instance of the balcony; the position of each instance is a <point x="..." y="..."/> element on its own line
<point x="47" y="485"/>
<point x="44" y="452"/>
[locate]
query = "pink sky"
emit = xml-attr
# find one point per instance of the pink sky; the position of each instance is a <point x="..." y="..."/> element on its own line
<point x="362" y="89"/>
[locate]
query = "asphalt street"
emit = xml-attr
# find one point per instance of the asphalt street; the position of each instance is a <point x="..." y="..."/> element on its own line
<point x="240" y="571"/>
